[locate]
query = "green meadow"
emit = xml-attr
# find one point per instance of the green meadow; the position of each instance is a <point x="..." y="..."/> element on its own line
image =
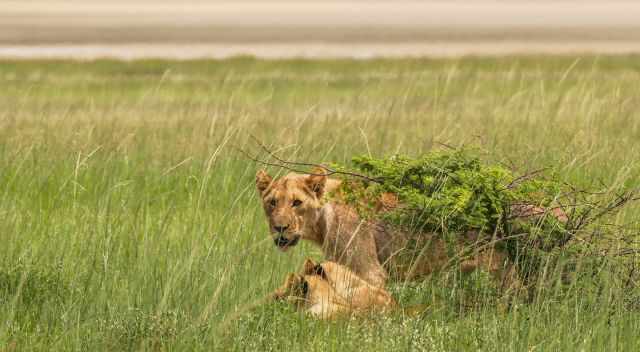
<point x="129" y="218"/>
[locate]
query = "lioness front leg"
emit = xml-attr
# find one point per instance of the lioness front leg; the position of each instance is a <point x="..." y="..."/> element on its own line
<point x="363" y="260"/>
<point x="366" y="267"/>
<point x="376" y="275"/>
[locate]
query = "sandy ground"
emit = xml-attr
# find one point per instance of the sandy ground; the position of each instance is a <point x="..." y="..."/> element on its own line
<point x="197" y="29"/>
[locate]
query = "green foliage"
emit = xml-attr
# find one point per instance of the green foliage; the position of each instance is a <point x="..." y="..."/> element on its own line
<point x="452" y="192"/>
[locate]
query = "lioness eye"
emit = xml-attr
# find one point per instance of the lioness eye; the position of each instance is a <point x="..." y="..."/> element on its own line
<point x="273" y="202"/>
<point x="297" y="202"/>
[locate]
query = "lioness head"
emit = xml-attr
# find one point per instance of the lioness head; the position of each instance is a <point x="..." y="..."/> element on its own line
<point x="292" y="204"/>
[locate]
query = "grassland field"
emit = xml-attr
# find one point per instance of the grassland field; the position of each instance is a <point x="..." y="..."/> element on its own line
<point x="130" y="221"/>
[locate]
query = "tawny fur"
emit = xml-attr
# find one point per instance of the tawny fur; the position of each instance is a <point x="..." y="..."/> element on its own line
<point x="371" y="249"/>
<point x="329" y="290"/>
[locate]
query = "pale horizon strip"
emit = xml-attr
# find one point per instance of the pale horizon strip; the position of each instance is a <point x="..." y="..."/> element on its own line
<point x="312" y="50"/>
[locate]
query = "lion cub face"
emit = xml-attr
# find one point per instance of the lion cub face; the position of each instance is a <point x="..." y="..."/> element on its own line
<point x="292" y="204"/>
<point x="328" y="290"/>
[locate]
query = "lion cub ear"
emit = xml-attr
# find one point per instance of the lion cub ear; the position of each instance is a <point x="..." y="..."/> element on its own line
<point x="317" y="181"/>
<point x="290" y="283"/>
<point x="309" y="266"/>
<point x="312" y="268"/>
<point x="263" y="180"/>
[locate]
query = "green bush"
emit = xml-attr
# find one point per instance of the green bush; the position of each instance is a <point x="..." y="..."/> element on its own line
<point x="452" y="192"/>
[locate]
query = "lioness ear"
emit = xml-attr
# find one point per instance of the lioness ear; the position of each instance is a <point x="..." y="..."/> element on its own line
<point x="317" y="181"/>
<point x="263" y="180"/>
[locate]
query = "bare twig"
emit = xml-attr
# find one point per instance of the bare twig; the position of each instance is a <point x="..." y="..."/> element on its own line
<point x="297" y="166"/>
<point x="525" y="177"/>
<point x="443" y="144"/>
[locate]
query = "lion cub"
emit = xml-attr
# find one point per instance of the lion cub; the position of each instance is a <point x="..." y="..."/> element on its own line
<point x="328" y="290"/>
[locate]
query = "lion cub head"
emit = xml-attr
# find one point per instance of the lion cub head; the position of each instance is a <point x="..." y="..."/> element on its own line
<point x="292" y="204"/>
<point x="328" y="290"/>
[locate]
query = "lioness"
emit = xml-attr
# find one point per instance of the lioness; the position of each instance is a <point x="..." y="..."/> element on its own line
<point x="328" y="290"/>
<point x="297" y="209"/>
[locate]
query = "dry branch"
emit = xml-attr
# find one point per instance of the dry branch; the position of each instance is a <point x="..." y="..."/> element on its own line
<point x="296" y="166"/>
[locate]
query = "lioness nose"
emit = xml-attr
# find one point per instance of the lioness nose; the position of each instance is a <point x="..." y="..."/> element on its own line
<point x="281" y="229"/>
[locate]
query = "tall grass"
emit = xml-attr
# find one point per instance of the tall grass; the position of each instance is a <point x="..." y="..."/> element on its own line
<point x="128" y="220"/>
